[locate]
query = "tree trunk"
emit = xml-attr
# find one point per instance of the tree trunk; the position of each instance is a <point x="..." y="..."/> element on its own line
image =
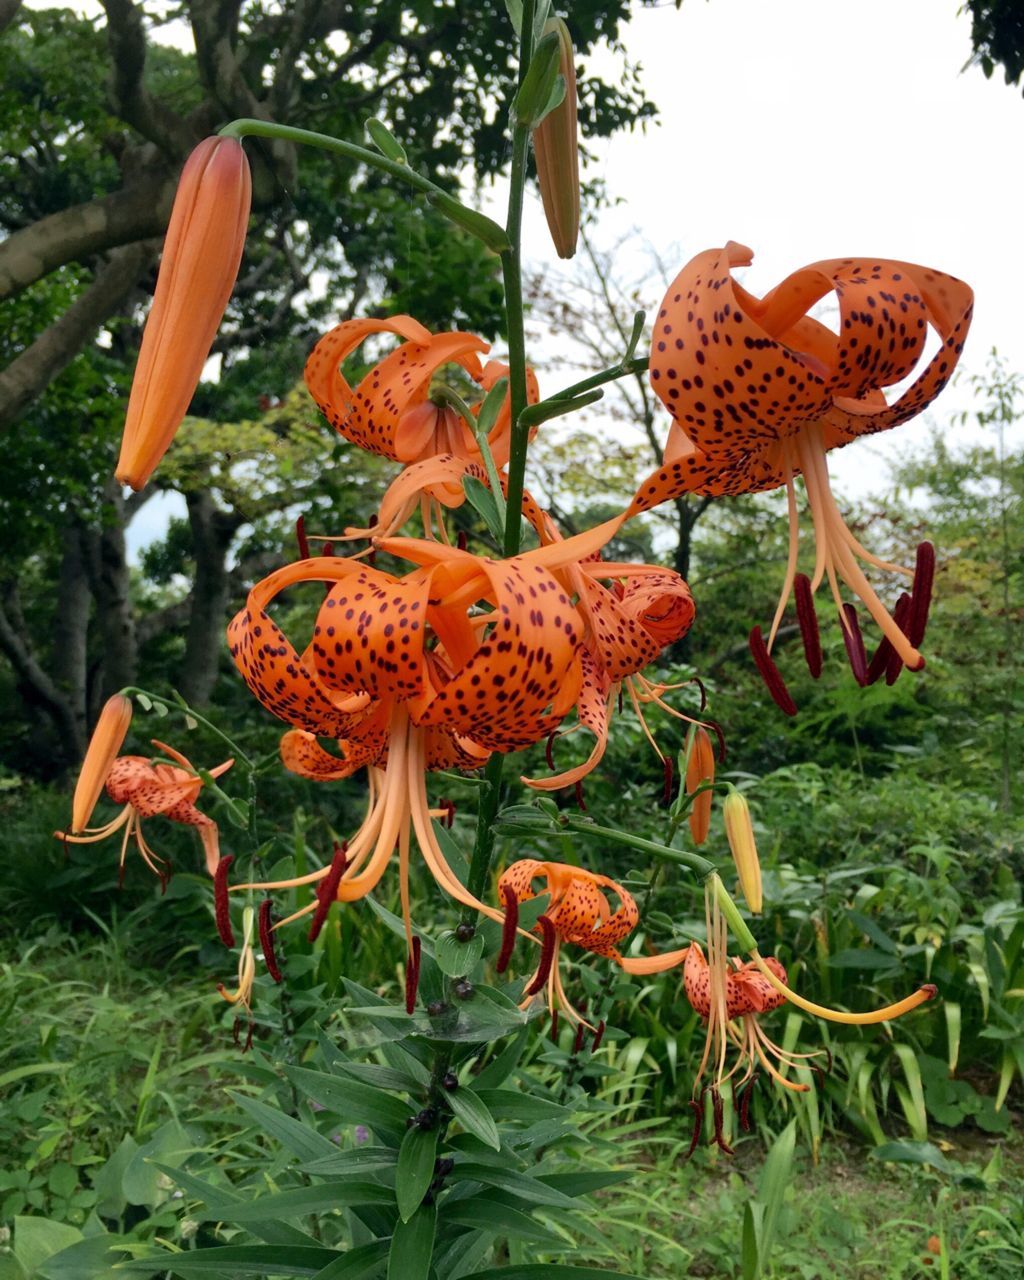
<point x="71" y="625"/>
<point x="212" y="533"/>
<point x="111" y="586"/>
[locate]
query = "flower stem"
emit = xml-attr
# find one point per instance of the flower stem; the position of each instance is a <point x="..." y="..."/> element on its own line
<point x="700" y="866"/>
<point x="511" y="269"/>
<point x="622" y="370"/>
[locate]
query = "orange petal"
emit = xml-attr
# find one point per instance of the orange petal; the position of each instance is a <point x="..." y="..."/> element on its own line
<point x="106" y="741"/>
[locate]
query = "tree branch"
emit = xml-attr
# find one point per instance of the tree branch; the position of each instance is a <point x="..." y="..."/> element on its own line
<point x="135" y="213"/>
<point x="8" y="12"/>
<point x="28" y="375"/>
<point x="16" y="647"/>
<point x="132" y="101"/>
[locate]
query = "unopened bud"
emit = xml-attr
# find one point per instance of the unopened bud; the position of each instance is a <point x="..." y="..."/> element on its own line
<point x="700" y="768"/>
<point x="740" y="833"/>
<point x="556" y="148"/>
<point x="106" y="741"/>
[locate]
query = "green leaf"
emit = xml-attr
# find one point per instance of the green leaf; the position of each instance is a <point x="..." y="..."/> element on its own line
<point x="33" y="1069"/>
<point x="500" y="1068"/>
<point x="750" y="1249"/>
<point x="507" y="1104"/>
<point x="519" y="1184"/>
<point x="584" y="1184"/>
<point x="220" y="1200"/>
<point x="456" y="958"/>
<point x="356" y="1263"/>
<point x="534" y="414"/>
<point x="538" y="81"/>
<point x="913" y="1153"/>
<point x="551" y="1271"/>
<point x="349" y="1163"/>
<point x="106" y="1181"/>
<point x="238" y="1259"/>
<point x="482" y="501"/>
<point x="385" y="141"/>
<point x="89" y="1259"/>
<point x="471" y="1112"/>
<point x="358" y="1103"/>
<point x="863" y="958"/>
<point x="300" y="1139"/>
<point x="36" y="1239"/>
<point x="412" y="1245"/>
<point x="487" y="1212"/>
<point x="415" y="1170"/>
<point x="297" y="1201"/>
<point x="487" y="415"/>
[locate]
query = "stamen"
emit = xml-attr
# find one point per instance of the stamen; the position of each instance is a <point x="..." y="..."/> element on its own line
<point x="221" y="910"/>
<point x="554" y="1025"/>
<point x="745" y="1098"/>
<point x="703" y="692"/>
<point x="549" y="750"/>
<point x="808" y="620"/>
<point x="921" y="592"/>
<point x="770" y="673"/>
<point x="462" y="540"/>
<point x="508" y="927"/>
<point x="666" y="792"/>
<point x="327" y="890"/>
<point x="248" y="1037"/>
<point x="300" y="537"/>
<point x="580" y="804"/>
<point x="924" y="993"/>
<point x="581" y="1031"/>
<point x="547" y="953"/>
<point x="412" y="976"/>
<point x="885" y="653"/>
<point x="598" y="1036"/>
<point x="697" y="1107"/>
<point x="371" y="557"/>
<point x="266" y="927"/>
<point x="854" y="642"/>
<point x="718" y="1110"/>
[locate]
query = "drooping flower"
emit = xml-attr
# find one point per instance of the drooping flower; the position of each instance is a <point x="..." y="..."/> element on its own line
<point x="731" y="995"/>
<point x="146" y="788"/>
<point x="556" y="149"/>
<point x="202" y="250"/>
<point x="578" y="912"/>
<point x="463" y="656"/>
<point x="395" y="413"/>
<point x="759" y="392"/>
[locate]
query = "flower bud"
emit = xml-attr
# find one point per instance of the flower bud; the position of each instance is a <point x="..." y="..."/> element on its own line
<point x="202" y="250"/>
<point x="106" y="741"/>
<point x="700" y="767"/>
<point x="740" y="833"/>
<point x="557" y="152"/>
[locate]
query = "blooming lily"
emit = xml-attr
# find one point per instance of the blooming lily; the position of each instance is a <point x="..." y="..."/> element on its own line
<point x="202" y="250"/>
<point x="145" y="788"/>
<point x="760" y="392"/>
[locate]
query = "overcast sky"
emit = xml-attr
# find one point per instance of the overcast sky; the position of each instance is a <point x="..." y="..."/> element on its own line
<point x="812" y="129"/>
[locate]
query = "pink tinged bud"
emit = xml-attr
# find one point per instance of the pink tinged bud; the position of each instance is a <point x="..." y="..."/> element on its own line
<point x="556" y="149"/>
<point x="106" y="741"/>
<point x="739" y="831"/>
<point x="202" y="250"/>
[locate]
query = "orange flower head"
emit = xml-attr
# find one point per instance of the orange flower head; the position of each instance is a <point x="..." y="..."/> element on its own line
<point x="202" y="251"/>
<point x="578" y="912"/>
<point x="556" y="148"/>
<point x="145" y="788"/>
<point x="462" y="656"/>
<point x="106" y="741"/>
<point x="394" y="412"/>
<point x="759" y="392"/>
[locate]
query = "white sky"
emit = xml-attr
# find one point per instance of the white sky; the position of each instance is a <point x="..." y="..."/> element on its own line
<point x="812" y="129"/>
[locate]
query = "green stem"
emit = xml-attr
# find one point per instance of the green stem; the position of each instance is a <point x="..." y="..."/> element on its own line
<point x="185" y="709"/>
<point x="488" y="232"/>
<point x="511" y="269"/>
<point x="616" y="371"/>
<point x="700" y="866"/>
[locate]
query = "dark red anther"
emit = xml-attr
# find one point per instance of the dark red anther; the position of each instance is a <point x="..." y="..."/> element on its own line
<point x="744" y="1107"/>
<point x="547" y="954"/>
<point x="266" y="929"/>
<point x="901" y="616"/>
<point x="666" y="789"/>
<point x="300" y="537"/>
<point x="412" y="976"/>
<point x="808" y="620"/>
<point x="718" y="1111"/>
<point x="697" y="1107"/>
<point x="819" y="1074"/>
<point x="221" y="910"/>
<point x="828" y="1055"/>
<point x="372" y="524"/>
<point x="554" y="1025"/>
<point x="236" y="1032"/>
<point x="449" y="821"/>
<point x="580" y="803"/>
<point x="921" y="593"/>
<point x="581" y="1031"/>
<point x="719" y="733"/>
<point x="327" y="549"/>
<point x="620" y="699"/>
<point x="462" y="540"/>
<point x="703" y="692"/>
<point x="770" y="673"/>
<point x="248" y="1037"/>
<point x="549" y="751"/>
<point x="598" y="1036"/>
<point x="508" y="927"/>
<point x="854" y="642"/>
<point x="165" y="879"/>
<point x="327" y="890"/>
<point x="879" y="664"/>
<point x="120" y="882"/>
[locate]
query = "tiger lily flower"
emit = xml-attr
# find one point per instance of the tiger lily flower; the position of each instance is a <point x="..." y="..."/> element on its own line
<point x="578" y="912"/>
<point x="730" y="995"/>
<point x="396" y="413"/>
<point x="759" y="392"/>
<point x="146" y="788"/>
<point x="202" y="251"/>
<point x="462" y="656"/>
